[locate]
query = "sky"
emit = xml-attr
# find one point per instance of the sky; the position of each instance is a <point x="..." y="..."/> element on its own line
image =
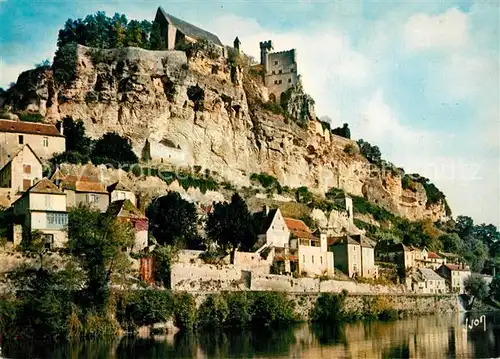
<point x="420" y="79"/>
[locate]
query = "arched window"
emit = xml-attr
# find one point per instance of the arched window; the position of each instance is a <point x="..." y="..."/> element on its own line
<point x="282" y="97"/>
<point x="272" y="97"/>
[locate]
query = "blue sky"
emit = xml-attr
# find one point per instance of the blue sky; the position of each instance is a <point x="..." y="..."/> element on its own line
<point x="418" y="78"/>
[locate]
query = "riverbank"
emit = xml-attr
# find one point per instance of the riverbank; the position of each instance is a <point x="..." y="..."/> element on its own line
<point x="129" y="311"/>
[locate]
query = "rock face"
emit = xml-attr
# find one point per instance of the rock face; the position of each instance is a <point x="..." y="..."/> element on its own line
<point x="193" y="106"/>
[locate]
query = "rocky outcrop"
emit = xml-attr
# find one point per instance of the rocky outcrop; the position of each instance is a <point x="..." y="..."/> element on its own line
<point x="213" y="122"/>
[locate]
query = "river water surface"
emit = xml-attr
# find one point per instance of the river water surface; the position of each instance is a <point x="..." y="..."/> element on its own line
<point x="444" y="336"/>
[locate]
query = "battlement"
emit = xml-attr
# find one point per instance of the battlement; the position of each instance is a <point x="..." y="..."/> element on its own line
<point x="268" y="45"/>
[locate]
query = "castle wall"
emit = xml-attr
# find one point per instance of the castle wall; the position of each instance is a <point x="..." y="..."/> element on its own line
<point x="281" y="73"/>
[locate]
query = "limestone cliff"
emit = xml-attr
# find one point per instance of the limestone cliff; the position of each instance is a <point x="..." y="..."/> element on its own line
<point x="212" y="115"/>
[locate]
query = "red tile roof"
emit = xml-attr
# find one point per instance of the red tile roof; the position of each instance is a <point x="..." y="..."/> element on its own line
<point x="299" y="228"/>
<point x="84" y="184"/>
<point x="456" y="267"/>
<point x="433" y="255"/>
<point x="29" y="127"/>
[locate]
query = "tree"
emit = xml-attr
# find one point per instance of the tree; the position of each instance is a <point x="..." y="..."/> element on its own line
<point x="495" y="288"/>
<point x="156" y="41"/>
<point x="488" y="234"/>
<point x="64" y="66"/>
<point x="112" y="148"/>
<point x="172" y="218"/>
<point x="476" y="287"/>
<point x="231" y="225"/>
<point x="74" y="132"/>
<point x="97" y="241"/>
<point x="452" y="242"/>
<point x="118" y="29"/>
<point x="464" y="226"/>
<point x="303" y="195"/>
<point x="343" y="131"/>
<point x="44" y="63"/>
<point x="35" y="244"/>
<point x="371" y="153"/>
<point x="476" y="254"/>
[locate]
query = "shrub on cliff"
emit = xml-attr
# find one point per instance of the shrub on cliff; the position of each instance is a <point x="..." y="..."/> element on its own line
<point x="113" y="149"/>
<point x="213" y="313"/>
<point x="371" y="153"/>
<point x="64" y="66"/>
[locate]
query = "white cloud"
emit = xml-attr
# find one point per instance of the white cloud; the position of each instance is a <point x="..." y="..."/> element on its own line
<point x="9" y="73"/>
<point x="444" y="31"/>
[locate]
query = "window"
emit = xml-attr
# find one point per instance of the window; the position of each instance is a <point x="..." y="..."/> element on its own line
<point x="276" y="62"/>
<point x="312" y="259"/>
<point x="275" y="82"/>
<point x="274" y="72"/>
<point x="48" y="239"/>
<point x="280" y="71"/>
<point x="93" y="198"/>
<point x="289" y="81"/>
<point x="292" y="69"/>
<point x="27" y="168"/>
<point x="321" y="259"/>
<point x="57" y="219"/>
<point x="21" y="139"/>
<point x="26" y="184"/>
<point x="45" y="142"/>
<point x="279" y="82"/>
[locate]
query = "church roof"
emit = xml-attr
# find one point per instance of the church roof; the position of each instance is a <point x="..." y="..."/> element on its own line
<point x="189" y="29"/>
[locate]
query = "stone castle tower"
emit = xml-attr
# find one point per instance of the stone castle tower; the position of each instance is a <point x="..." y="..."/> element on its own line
<point x="280" y="69"/>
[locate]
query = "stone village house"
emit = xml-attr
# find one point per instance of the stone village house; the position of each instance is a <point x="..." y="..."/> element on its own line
<point x="354" y="255"/>
<point x="87" y="190"/>
<point x="295" y="248"/>
<point x="44" y="139"/>
<point x="118" y="191"/>
<point x="42" y="207"/>
<point x="426" y="281"/>
<point x="126" y="211"/>
<point x="21" y="172"/>
<point x="455" y="276"/>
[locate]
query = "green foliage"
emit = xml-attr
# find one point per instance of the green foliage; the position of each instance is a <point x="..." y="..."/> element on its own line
<point x="149" y="306"/>
<point x="113" y="149"/>
<point x="271" y="309"/>
<point x="74" y="133"/>
<point x="329" y="308"/>
<point x="184" y="311"/>
<point x="363" y="206"/>
<point x="173" y="219"/>
<point x="325" y="126"/>
<point x="494" y="289"/>
<point x="475" y="286"/>
<point x="64" y="66"/>
<point x="231" y="225"/>
<point x="28" y="116"/>
<point x="164" y="258"/>
<point x="100" y="326"/>
<point x="267" y="181"/>
<point x="273" y="107"/>
<point x="213" y="312"/>
<point x="371" y="153"/>
<point x="238" y="304"/>
<point x="45" y="64"/>
<point x="434" y="195"/>
<point x="343" y="131"/>
<point x="97" y="241"/>
<point x="350" y="149"/>
<point x="156" y="41"/>
<point x="303" y="195"/>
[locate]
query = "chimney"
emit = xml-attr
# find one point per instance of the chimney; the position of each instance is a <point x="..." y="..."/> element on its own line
<point x="265" y="209"/>
<point x="61" y="128"/>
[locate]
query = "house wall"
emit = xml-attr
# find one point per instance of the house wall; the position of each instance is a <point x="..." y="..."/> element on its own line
<point x="47" y="202"/>
<point x="10" y="142"/>
<point x="13" y="174"/>
<point x="141" y="240"/>
<point x="171" y="35"/>
<point x="164" y="154"/>
<point x="84" y="197"/>
<point x="369" y="270"/>
<point x="252" y="262"/>
<point x="119" y="195"/>
<point x="341" y="258"/>
<point x="287" y="65"/>
<point x="278" y="232"/>
<point x="354" y="255"/>
<point x="314" y="260"/>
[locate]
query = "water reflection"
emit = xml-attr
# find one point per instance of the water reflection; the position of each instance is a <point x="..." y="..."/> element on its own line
<point x="425" y="337"/>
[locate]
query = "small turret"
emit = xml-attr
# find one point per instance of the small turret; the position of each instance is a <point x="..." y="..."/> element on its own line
<point x="265" y="48"/>
<point x="236" y="44"/>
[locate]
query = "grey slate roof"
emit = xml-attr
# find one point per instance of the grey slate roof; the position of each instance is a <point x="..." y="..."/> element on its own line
<point x="189" y="29"/>
<point x="429" y="274"/>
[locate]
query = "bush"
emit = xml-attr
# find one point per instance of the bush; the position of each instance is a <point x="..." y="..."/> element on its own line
<point x="213" y="312"/>
<point x="114" y="149"/>
<point x="99" y="327"/>
<point x="266" y="181"/>
<point x="70" y="157"/>
<point x="350" y="149"/>
<point x="329" y="308"/>
<point x="273" y="107"/>
<point x="239" y="310"/>
<point x="184" y="311"/>
<point x="147" y="307"/>
<point x="30" y="117"/>
<point x="271" y="309"/>
<point x="302" y="195"/>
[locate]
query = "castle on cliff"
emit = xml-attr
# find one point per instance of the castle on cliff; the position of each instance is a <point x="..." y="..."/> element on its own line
<point x="280" y="69"/>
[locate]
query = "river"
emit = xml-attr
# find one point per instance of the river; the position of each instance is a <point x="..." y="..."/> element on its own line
<point x="443" y="336"/>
